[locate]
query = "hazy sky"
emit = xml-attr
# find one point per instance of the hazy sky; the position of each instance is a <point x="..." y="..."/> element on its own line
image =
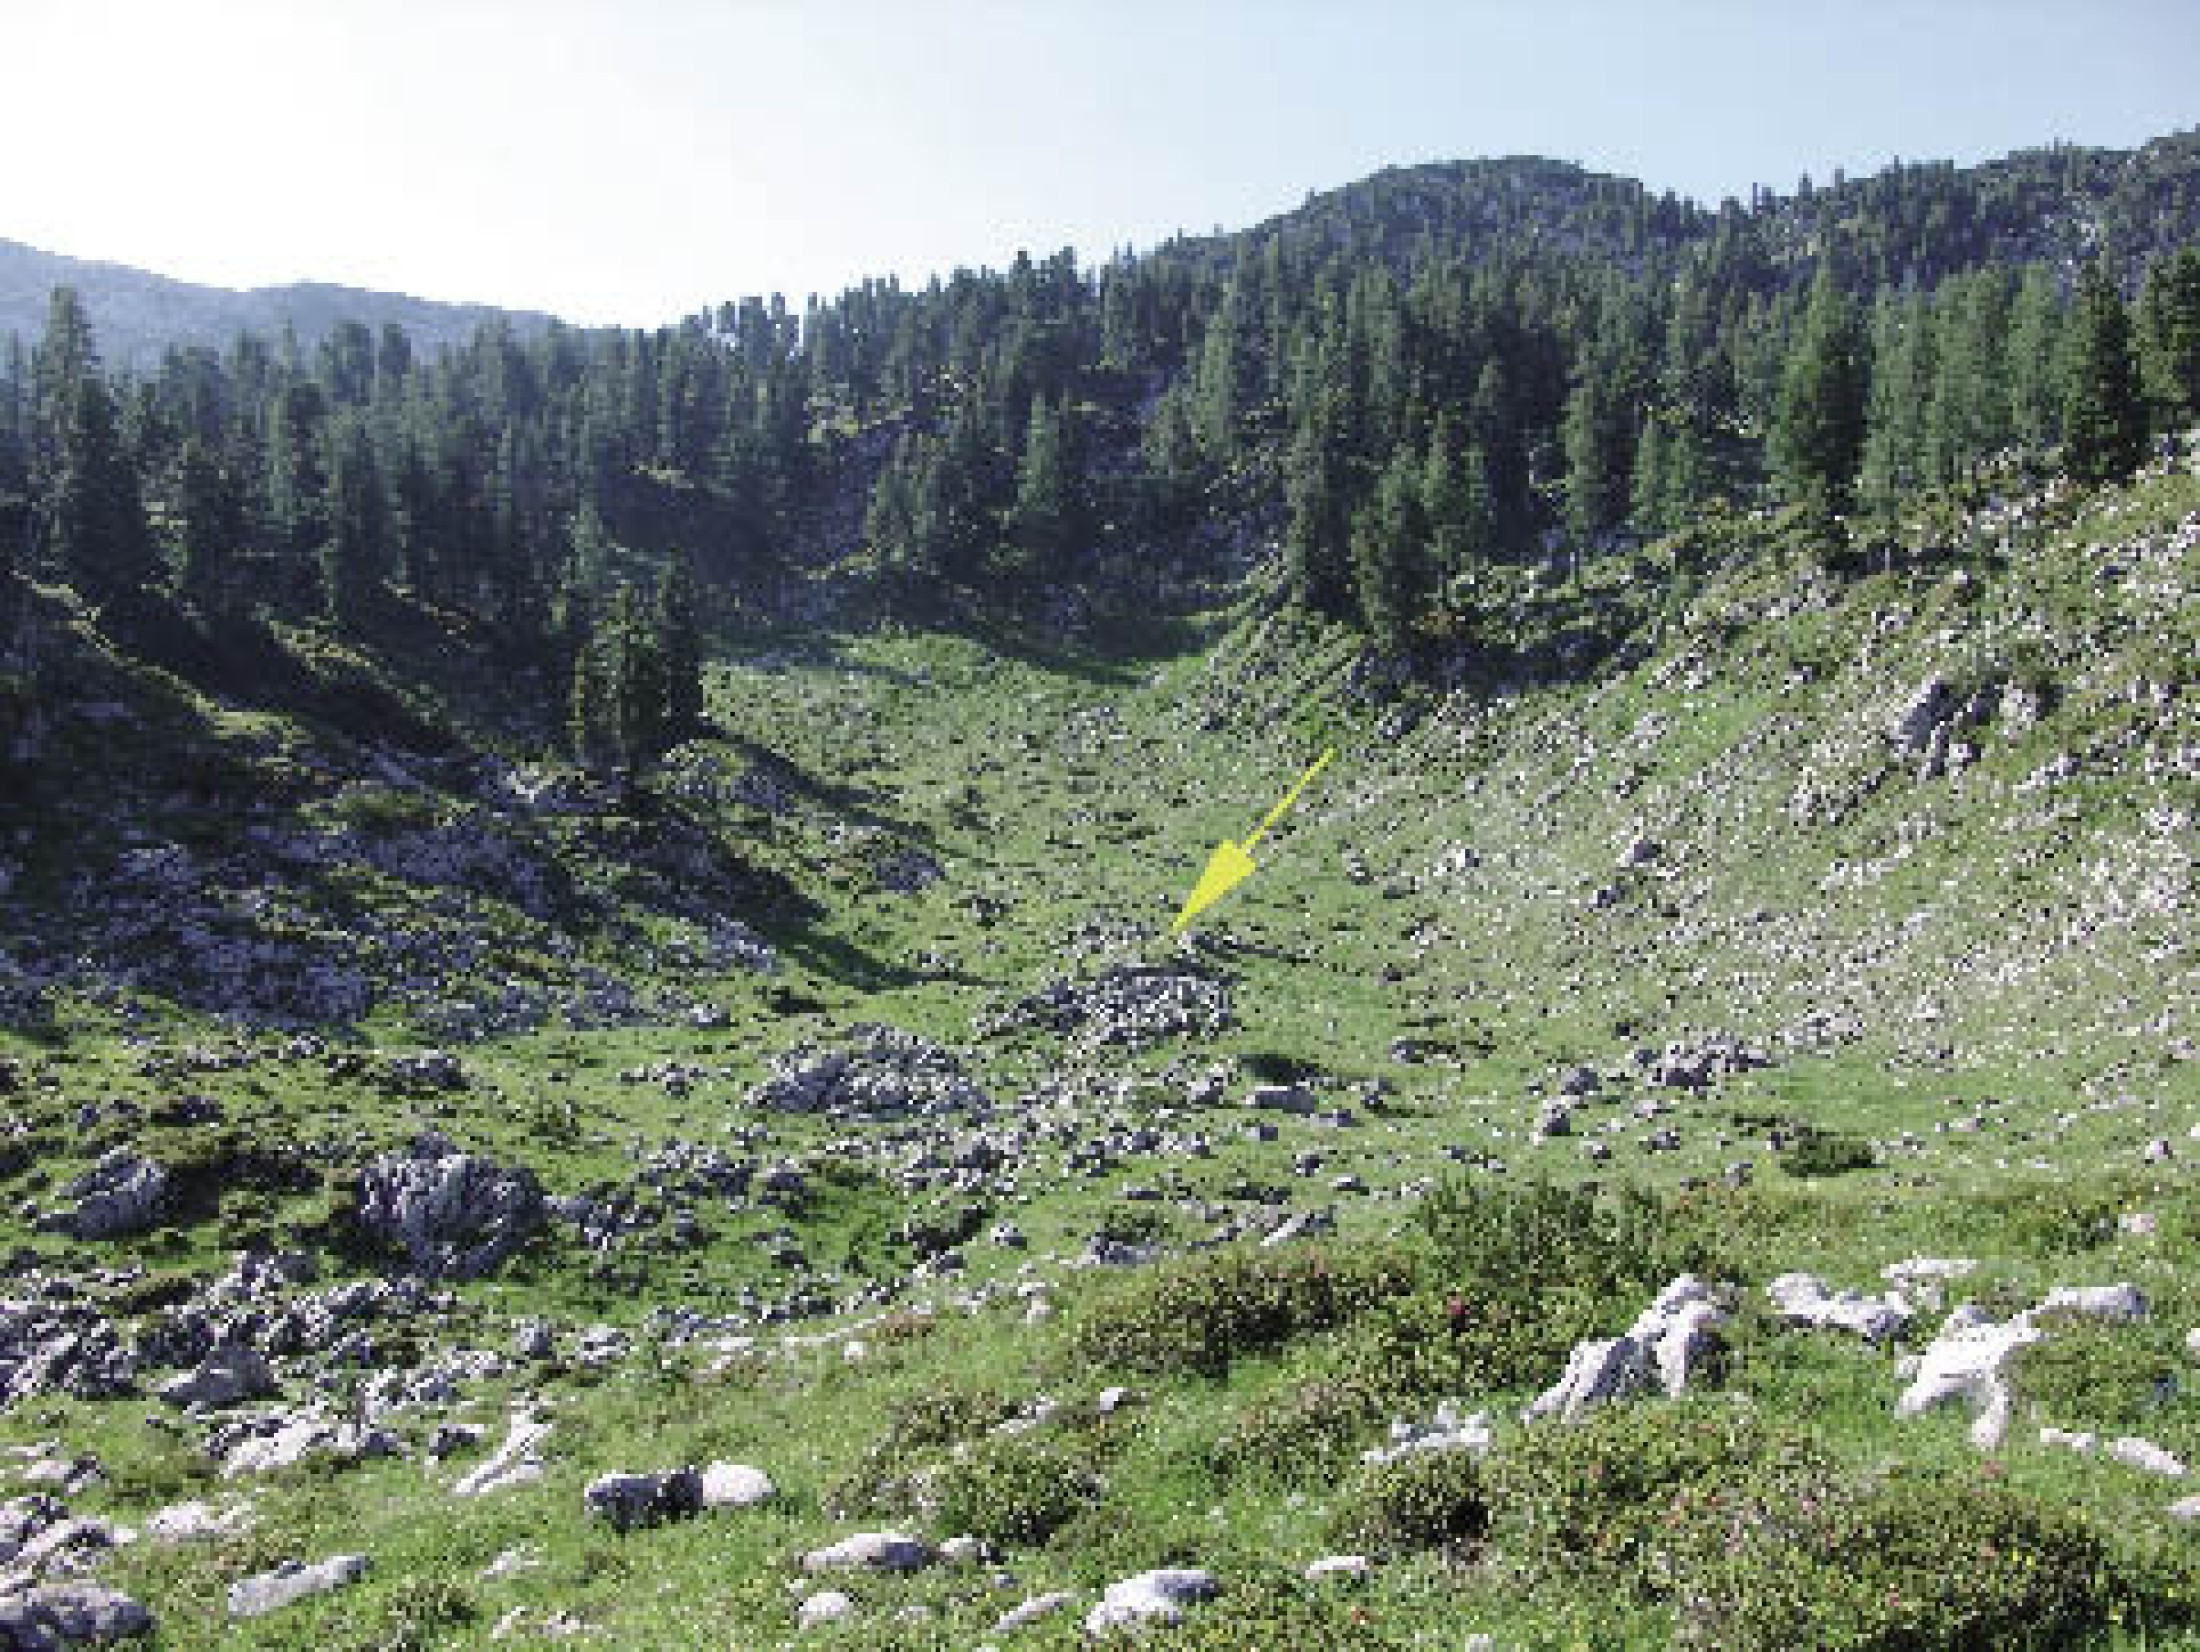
<point x="631" y="160"/>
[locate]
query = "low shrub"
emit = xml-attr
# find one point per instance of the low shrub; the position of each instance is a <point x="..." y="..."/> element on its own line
<point x="1825" y="1153"/>
<point x="1312" y="1425"/>
<point x="1919" y="1560"/>
<point x="1198" y="1316"/>
<point x="1619" y="1494"/>
<point x="1424" y="1500"/>
<point x="1518" y="1274"/>
<point x="2090" y="1375"/>
<point x="1014" y="1490"/>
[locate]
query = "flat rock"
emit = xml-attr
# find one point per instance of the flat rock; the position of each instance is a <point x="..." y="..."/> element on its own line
<point x="197" y="1522"/>
<point x="871" y="1552"/>
<point x="292" y="1582"/>
<point x="1032" y="1610"/>
<point x="516" y="1462"/>
<point x="1803" y="1299"/>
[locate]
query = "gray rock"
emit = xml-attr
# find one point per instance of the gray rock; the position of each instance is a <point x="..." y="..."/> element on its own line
<point x="1802" y="1299"/>
<point x="826" y="1606"/>
<point x="57" y="1615"/>
<point x="517" y="1462"/>
<point x="628" y="1502"/>
<point x="454" y="1215"/>
<point x="2134" y="1452"/>
<point x="889" y="1074"/>
<point x="871" y="1552"/>
<point x="735" y="1486"/>
<point x="226" y="1376"/>
<point x="197" y="1522"/>
<point x="1351" y="1568"/>
<point x="120" y="1195"/>
<point x="2114" y="1304"/>
<point x="1150" y="1597"/>
<point x="1032" y="1610"/>
<point x="292" y="1582"/>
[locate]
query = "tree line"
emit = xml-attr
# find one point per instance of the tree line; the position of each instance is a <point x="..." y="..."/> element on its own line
<point x="1409" y="383"/>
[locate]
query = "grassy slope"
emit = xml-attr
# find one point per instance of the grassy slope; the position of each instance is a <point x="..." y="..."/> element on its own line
<point x="1975" y="949"/>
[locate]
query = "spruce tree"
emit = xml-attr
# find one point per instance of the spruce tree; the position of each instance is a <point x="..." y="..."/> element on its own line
<point x="639" y="692"/>
<point x="355" y="556"/>
<point x="2035" y="380"/>
<point x="101" y="540"/>
<point x="212" y="526"/>
<point x="1389" y="554"/>
<point x="1045" y="511"/>
<point x="1818" y="428"/>
<point x="2103" y="415"/>
<point x="2169" y="332"/>
<point x="679" y="641"/>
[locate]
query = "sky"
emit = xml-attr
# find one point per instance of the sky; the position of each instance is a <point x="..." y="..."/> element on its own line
<point x="632" y="161"/>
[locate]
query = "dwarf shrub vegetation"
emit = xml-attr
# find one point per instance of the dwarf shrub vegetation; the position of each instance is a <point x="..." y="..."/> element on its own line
<point x="1425" y="1500"/>
<point x="1013" y="1491"/>
<point x="1200" y="1316"/>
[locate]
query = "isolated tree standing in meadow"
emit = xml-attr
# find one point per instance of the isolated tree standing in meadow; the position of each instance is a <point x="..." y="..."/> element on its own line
<point x="100" y="536"/>
<point x="2104" y="416"/>
<point x="1818" y="426"/>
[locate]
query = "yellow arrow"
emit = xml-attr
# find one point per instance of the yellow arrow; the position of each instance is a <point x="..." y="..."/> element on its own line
<point x="1232" y="863"/>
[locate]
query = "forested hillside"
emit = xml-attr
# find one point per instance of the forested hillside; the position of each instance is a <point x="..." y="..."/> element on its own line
<point x="1418" y="383"/>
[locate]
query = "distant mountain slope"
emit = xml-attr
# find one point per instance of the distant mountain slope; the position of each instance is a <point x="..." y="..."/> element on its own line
<point x="137" y="314"/>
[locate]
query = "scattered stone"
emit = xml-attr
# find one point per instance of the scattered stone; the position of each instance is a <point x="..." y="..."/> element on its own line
<point x="735" y="1486"/>
<point x="455" y="1215"/>
<point x="890" y="1074"/>
<point x="517" y="1462"/>
<point x="1032" y="1610"/>
<point x="871" y="1552"/>
<point x="56" y="1615"/>
<point x="1131" y="1005"/>
<point x="1351" y="1568"/>
<point x="2134" y="1452"/>
<point x="120" y="1195"/>
<point x="292" y="1440"/>
<point x="1803" y="1299"/>
<point x="1447" y="1431"/>
<point x="826" y="1606"/>
<point x="628" y="1502"/>
<point x="292" y="1582"/>
<point x="230" y="1374"/>
<point x="1150" y="1597"/>
<point x="2115" y="1304"/>
<point x="197" y="1522"/>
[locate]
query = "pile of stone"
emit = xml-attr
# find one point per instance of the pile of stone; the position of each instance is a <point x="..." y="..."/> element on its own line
<point x="889" y="1074"/>
<point x="1130" y="1005"/>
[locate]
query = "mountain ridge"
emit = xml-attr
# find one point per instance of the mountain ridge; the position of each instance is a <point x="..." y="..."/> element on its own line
<point x="140" y="313"/>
